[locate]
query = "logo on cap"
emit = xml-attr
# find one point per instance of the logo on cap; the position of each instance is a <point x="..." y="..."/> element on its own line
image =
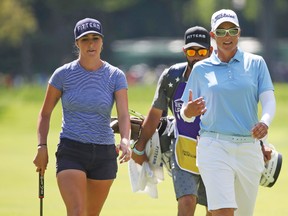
<point x="224" y="15"/>
<point x="88" y="26"/>
<point x="195" y="36"/>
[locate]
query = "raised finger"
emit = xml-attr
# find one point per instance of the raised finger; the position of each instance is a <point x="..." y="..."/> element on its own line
<point x="190" y="95"/>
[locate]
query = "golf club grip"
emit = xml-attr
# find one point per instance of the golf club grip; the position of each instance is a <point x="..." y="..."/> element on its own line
<point x="41" y="186"/>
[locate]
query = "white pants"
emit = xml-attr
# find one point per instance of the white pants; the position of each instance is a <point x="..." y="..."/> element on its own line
<point x="231" y="173"/>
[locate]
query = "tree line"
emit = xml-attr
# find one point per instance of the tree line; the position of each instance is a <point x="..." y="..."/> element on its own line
<point x="36" y="36"/>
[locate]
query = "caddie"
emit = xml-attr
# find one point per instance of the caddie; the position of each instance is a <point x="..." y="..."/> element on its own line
<point x="188" y="186"/>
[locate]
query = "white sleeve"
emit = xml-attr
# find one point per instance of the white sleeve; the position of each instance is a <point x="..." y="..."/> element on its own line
<point x="183" y="116"/>
<point x="268" y="104"/>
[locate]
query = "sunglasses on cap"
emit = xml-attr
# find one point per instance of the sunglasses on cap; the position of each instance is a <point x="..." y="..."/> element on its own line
<point x="223" y="32"/>
<point x="200" y="52"/>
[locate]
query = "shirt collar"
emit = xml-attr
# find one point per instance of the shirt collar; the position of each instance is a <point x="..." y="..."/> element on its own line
<point x="237" y="57"/>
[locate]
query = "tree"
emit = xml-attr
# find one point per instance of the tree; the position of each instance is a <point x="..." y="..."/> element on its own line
<point x="16" y="21"/>
<point x="43" y="29"/>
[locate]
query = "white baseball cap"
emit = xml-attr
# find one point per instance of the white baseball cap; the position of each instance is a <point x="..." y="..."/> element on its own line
<point x="221" y="16"/>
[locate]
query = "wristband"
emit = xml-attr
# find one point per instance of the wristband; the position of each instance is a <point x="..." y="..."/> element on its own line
<point x="140" y="153"/>
<point x="43" y="144"/>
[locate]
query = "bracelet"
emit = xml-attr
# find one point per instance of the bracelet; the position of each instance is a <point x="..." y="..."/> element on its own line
<point x="140" y="153"/>
<point x="42" y="144"/>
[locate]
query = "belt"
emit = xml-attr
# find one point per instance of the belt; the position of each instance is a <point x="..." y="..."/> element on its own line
<point x="235" y="139"/>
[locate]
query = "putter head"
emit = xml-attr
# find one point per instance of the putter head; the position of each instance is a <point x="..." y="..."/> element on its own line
<point x="272" y="169"/>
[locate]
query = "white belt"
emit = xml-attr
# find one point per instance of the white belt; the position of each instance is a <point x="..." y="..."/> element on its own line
<point x="235" y="139"/>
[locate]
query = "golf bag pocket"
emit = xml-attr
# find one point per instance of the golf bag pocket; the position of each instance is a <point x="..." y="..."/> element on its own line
<point x="185" y="154"/>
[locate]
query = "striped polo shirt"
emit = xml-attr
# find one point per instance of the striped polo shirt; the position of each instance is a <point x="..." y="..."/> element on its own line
<point x="87" y="100"/>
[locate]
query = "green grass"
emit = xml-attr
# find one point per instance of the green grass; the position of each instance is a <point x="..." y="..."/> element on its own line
<point x="19" y="182"/>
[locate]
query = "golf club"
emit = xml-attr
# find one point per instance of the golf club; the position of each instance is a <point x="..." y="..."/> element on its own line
<point x="41" y="192"/>
<point x="136" y="114"/>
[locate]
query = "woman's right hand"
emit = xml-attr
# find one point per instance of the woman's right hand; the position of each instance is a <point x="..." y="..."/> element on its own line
<point x="41" y="159"/>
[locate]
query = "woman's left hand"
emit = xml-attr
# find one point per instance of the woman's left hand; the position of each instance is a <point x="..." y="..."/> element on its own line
<point x="260" y="130"/>
<point x="126" y="152"/>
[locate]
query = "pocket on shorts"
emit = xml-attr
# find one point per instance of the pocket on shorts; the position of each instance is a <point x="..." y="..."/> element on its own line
<point x="59" y="150"/>
<point x="106" y="152"/>
<point x="112" y="153"/>
<point x="203" y="148"/>
<point x="205" y="142"/>
<point x="69" y="151"/>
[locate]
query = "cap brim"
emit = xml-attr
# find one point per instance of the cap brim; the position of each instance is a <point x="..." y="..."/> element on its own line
<point x="203" y="45"/>
<point x="217" y="25"/>
<point x="89" y="32"/>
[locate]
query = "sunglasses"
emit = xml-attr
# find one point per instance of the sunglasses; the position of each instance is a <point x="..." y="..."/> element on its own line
<point x="223" y="32"/>
<point x="200" y="52"/>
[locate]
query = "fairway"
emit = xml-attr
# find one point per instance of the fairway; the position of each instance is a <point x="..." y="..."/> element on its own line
<point x="19" y="182"/>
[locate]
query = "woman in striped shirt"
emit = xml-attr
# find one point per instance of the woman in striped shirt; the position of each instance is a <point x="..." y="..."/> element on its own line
<point x="86" y="156"/>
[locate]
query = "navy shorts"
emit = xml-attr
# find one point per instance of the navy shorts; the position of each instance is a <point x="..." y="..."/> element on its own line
<point x="99" y="162"/>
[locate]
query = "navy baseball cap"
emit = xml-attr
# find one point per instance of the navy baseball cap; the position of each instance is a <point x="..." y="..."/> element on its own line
<point x="86" y="26"/>
<point x="197" y="36"/>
